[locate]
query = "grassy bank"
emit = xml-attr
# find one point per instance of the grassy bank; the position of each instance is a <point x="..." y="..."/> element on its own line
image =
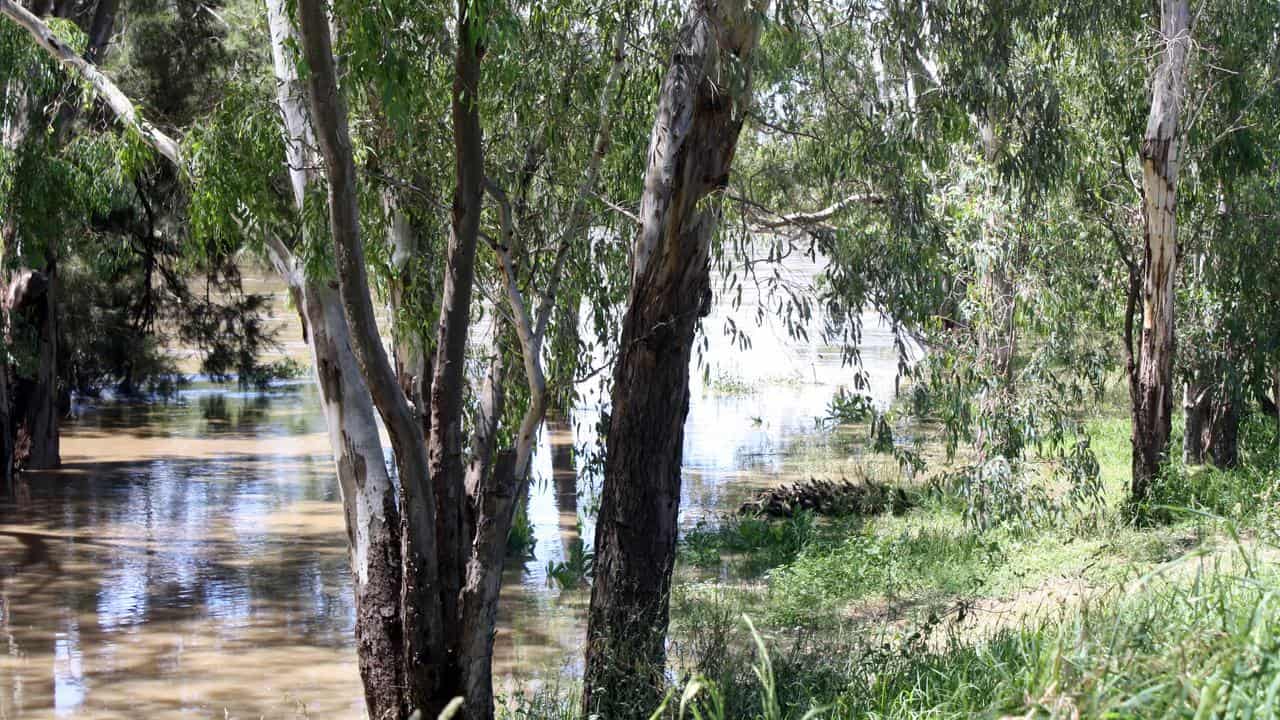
<point x="922" y="615"/>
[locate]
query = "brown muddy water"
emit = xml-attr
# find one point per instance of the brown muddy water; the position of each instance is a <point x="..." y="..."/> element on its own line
<point x="189" y="559"/>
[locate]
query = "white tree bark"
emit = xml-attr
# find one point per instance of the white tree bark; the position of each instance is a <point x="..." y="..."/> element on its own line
<point x="120" y="104"/>
<point x="368" y="495"/>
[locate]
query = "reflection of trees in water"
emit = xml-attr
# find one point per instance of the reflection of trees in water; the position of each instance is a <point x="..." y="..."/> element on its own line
<point x="280" y="411"/>
<point x="148" y="555"/>
<point x="564" y="476"/>
<point x="189" y="540"/>
<point x="254" y="414"/>
<point x="160" y="553"/>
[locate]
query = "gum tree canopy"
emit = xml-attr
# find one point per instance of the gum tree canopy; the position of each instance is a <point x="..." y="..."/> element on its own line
<point x="542" y="191"/>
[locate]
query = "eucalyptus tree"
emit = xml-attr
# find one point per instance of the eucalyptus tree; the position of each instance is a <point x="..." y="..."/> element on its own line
<point x="455" y="547"/>
<point x="1226" y="300"/>
<point x="936" y="136"/>
<point x="33" y="117"/>
<point x="1153" y="397"/>
<point x="81" y="236"/>
<point x="701" y="107"/>
<point x="427" y="565"/>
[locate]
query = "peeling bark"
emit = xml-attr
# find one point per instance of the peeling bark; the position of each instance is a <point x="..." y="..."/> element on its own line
<point x="373" y="518"/>
<point x="1160" y="164"/>
<point x="426" y="631"/>
<point x="368" y="498"/>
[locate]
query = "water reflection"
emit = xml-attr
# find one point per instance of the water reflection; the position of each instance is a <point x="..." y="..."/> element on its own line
<point x="564" y="478"/>
<point x="189" y="559"/>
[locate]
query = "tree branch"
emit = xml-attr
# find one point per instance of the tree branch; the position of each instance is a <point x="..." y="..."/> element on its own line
<point x="577" y="225"/>
<point x="816" y="219"/>
<point x="119" y="103"/>
<point x="621" y="210"/>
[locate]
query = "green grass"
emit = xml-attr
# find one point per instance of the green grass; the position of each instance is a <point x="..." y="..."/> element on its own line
<point x="1199" y="639"/>
<point x="1179" y="618"/>
<point x="826" y="578"/>
<point x="750" y="545"/>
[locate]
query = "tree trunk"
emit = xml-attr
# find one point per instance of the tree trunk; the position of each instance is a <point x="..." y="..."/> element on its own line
<point x="563" y="367"/>
<point x="1160" y="164"/>
<point x="394" y="627"/>
<point x="41" y="422"/>
<point x="398" y="619"/>
<point x="15" y="128"/>
<point x="495" y="503"/>
<point x="368" y="500"/>
<point x="1195" y="406"/>
<point x="445" y="444"/>
<point x="997" y="345"/>
<point x="702" y="102"/>
<point x="39" y="427"/>
<point x="1224" y="429"/>
<point x="31" y="313"/>
<point x="409" y="347"/>
<point x="565" y="342"/>
<point x="427" y="632"/>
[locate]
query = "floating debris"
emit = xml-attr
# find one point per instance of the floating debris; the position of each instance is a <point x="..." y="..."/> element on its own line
<point x="829" y="497"/>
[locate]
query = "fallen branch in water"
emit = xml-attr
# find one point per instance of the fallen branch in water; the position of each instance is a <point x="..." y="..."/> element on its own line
<point x="828" y="497"/>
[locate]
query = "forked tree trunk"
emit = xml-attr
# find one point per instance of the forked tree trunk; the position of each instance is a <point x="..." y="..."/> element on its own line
<point x="453" y="534"/>
<point x="372" y="515"/>
<point x="1212" y="410"/>
<point x="701" y="105"/>
<point x="369" y="500"/>
<point x="1160" y="164"/>
<point x="398" y="618"/>
<point x="453" y="559"/>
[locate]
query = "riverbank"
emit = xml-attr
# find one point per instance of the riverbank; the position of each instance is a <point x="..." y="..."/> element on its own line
<point x="920" y="615"/>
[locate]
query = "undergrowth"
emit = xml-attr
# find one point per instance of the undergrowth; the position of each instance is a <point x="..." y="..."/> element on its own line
<point x="1199" y="638"/>
<point x="866" y="617"/>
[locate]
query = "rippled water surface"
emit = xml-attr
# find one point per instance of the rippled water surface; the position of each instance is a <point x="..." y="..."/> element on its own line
<point x="189" y="559"/>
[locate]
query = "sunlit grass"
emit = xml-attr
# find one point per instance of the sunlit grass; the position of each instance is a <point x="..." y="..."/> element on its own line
<point x="875" y="617"/>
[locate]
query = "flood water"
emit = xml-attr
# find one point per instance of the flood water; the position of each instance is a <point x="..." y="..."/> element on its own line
<point x="189" y="559"/>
